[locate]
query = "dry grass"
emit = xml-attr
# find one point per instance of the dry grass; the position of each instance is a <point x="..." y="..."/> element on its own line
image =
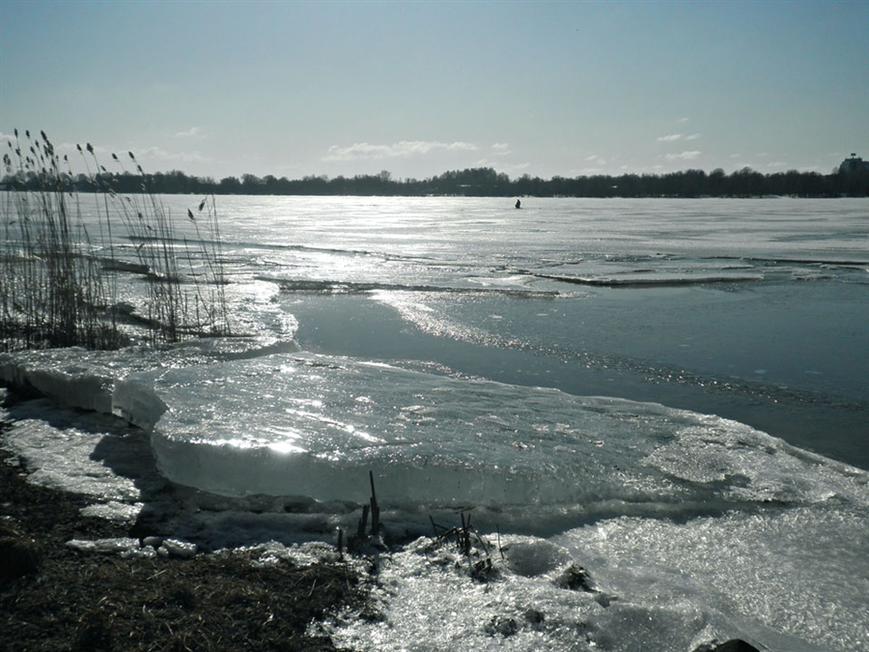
<point x="87" y="601"/>
<point x="59" y="273"/>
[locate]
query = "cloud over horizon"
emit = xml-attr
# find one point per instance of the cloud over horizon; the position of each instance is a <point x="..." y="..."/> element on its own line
<point x="193" y="132"/>
<point x="669" y="138"/>
<point x="401" y="149"/>
<point x="160" y="154"/>
<point x="683" y="156"/>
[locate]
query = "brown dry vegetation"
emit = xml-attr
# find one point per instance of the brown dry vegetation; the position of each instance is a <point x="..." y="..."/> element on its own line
<point x="60" y="273"/>
<point x="86" y="601"/>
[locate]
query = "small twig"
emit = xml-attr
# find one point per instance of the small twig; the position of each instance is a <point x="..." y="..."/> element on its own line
<point x="375" y="508"/>
<point x="436" y="526"/>
<point x="500" y="549"/>
<point x="363" y="522"/>
<point x="465" y="542"/>
<point x="483" y="542"/>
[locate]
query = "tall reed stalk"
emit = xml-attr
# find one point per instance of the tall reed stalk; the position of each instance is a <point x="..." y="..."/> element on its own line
<point x="60" y="287"/>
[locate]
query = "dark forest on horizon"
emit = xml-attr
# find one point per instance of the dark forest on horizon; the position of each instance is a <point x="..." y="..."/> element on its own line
<point x="471" y="182"/>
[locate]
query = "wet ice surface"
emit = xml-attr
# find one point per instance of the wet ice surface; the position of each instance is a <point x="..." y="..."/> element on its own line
<point x="91" y="454"/>
<point x="657" y="585"/>
<point x="734" y="352"/>
<point x="75" y="377"/>
<point x="693" y="527"/>
<point x="60" y="447"/>
<point x="757" y="566"/>
<point x="311" y="425"/>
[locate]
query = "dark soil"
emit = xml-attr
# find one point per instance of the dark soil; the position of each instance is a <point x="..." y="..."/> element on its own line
<point x="54" y="598"/>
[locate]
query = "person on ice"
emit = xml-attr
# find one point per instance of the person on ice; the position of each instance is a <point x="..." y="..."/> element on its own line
<point x="518" y="203"/>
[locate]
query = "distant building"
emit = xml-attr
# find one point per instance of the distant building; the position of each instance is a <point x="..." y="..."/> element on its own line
<point x="854" y="165"/>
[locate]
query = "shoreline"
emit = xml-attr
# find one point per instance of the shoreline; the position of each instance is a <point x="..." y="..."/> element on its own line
<point x="55" y="597"/>
<point x="254" y="598"/>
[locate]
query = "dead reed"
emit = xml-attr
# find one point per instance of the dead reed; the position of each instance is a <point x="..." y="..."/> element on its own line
<point x="61" y="266"/>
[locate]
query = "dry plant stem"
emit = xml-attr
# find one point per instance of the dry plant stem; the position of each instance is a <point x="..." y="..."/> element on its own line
<point x="59" y="288"/>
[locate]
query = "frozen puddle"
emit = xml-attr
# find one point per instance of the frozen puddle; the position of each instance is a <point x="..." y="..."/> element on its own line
<point x="309" y="425"/>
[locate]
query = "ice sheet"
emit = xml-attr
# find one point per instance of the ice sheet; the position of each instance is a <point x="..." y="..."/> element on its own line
<point x="67" y="450"/>
<point x="311" y="425"/>
<point x="802" y="571"/>
<point x="427" y="598"/>
<point x="79" y="378"/>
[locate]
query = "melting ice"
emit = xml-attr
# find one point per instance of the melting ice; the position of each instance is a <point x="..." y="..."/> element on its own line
<point x="692" y="527"/>
<point x="313" y="425"/>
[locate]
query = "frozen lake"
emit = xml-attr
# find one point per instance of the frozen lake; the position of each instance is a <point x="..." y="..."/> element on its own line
<point x="671" y="392"/>
<point x="754" y="310"/>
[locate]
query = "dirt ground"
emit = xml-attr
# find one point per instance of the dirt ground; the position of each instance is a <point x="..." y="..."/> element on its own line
<point x="55" y="598"/>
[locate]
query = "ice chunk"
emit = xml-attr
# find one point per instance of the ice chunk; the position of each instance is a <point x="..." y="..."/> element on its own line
<point x="145" y="552"/>
<point x="135" y="402"/>
<point x="291" y="425"/>
<point x="73" y="377"/>
<point x="59" y="445"/>
<point x="177" y="548"/>
<point x="295" y="425"/>
<point x="114" y="511"/>
<point x="116" y="545"/>
<point x="77" y="377"/>
<point x="753" y="465"/>
<point x="800" y="572"/>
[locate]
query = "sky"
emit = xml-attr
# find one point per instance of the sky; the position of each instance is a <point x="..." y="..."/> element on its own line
<point x="568" y="88"/>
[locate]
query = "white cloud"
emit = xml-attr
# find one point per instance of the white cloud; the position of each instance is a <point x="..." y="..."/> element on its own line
<point x="501" y="149"/>
<point x="683" y="156"/>
<point x="670" y="138"/>
<point x="358" y="151"/>
<point x="8" y="137"/>
<point x="777" y="164"/>
<point x="193" y="132"/>
<point x="401" y="149"/>
<point x="595" y="158"/>
<point x="160" y="154"/>
<point x="682" y="120"/>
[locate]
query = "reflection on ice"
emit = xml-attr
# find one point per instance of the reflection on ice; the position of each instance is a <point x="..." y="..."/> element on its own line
<point x="313" y="425"/>
<point x="786" y="569"/>
<point x="693" y="527"/>
<point x="652" y="585"/>
<point x="79" y="378"/>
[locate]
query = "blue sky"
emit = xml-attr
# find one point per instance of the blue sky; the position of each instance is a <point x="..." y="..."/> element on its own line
<point x="417" y="88"/>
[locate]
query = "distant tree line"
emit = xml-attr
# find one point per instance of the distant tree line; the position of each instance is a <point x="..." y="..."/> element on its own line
<point x="477" y="182"/>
